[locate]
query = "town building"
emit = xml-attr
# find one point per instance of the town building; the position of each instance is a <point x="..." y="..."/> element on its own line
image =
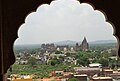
<point x="95" y="65"/>
<point x="82" y="77"/>
<point x="102" y="79"/>
<point x="48" y="47"/>
<point x="62" y="47"/>
<point x="87" y="70"/>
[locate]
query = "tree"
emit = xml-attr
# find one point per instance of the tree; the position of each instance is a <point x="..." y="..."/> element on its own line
<point x="112" y="63"/>
<point x="32" y="61"/>
<point x="58" y="52"/>
<point x="68" y="54"/>
<point x="83" y="59"/>
<point x="104" y="62"/>
<point x="54" y="62"/>
<point x="61" y="59"/>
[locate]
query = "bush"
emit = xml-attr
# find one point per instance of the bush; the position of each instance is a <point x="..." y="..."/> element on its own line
<point x="73" y="79"/>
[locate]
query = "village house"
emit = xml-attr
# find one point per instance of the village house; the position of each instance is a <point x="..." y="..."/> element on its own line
<point x="102" y="79"/>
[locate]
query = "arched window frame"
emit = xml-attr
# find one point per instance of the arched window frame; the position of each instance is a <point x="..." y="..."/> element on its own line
<point x="13" y="14"/>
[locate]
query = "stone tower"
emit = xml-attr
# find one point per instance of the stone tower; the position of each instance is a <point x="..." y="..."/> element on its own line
<point x="84" y="45"/>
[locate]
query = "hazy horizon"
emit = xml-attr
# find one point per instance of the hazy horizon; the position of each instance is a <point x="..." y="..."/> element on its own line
<point x="64" y="20"/>
<point x="67" y="40"/>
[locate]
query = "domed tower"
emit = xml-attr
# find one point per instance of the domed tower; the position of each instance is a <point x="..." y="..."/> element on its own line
<point x="77" y="45"/>
<point x="84" y="45"/>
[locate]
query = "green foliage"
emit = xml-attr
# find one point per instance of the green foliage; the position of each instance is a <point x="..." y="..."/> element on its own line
<point x="68" y="53"/>
<point x="40" y="71"/>
<point x="101" y="47"/>
<point x="58" y="52"/>
<point x="73" y="79"/>
<point x="83" y="58"/>
<point x="104" y="62"/>
<point x="54" y="62"/>
<point x="32" y="61"/>
<point x="61" y="59"/>
<point x="29" y="50"/>
<point x="113" y="63"/>
<point x="71" y="54"/>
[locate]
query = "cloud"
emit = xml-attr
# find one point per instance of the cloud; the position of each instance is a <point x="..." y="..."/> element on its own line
<point x="64" y="20"/>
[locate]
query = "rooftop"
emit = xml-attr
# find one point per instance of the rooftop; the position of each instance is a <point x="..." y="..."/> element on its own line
<point x="94" y="64"/>
<point x="80" y="75"/>
<point x="102" y="78"/>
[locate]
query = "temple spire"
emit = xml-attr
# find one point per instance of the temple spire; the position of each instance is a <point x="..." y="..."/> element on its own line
<point x="84" y="40"/>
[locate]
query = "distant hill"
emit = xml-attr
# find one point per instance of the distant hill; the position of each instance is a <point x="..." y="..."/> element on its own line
<point x="93" y="43"/>
<point x="66" y="42"/>
<point x="103" y="42"/>
<point x="70" y="42"/>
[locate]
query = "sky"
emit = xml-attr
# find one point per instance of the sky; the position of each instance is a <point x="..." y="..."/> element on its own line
<point x="64" y="20"/>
